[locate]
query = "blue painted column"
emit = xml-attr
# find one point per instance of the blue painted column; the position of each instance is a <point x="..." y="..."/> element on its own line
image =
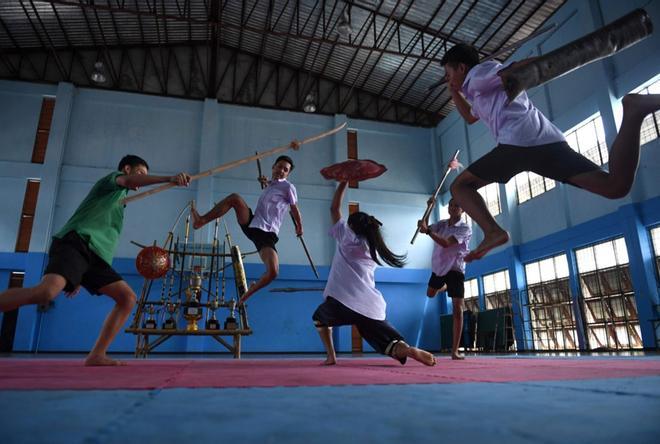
<point x="576" y="297"/>
<point x="521" y="325"/>
<point x="642" y="270"/>
<point x="482" y="293"/>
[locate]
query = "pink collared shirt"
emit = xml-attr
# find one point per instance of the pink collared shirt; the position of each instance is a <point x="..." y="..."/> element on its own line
<point x="351" y="280"/>
<point x="451" y="258"/>
<point x="517" y="123"/>
<point x="274" y="202"/>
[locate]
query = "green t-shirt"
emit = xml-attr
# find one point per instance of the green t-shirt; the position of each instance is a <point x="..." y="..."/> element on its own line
<point x="100" y="217"/>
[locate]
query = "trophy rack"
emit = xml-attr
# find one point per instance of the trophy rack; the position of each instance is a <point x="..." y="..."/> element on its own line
<point x="193" y="288"/>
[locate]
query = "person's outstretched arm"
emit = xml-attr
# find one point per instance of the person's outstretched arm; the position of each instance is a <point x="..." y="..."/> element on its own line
<point x="297" y="219"/>
<point x="335" y="207"/>
<point x="134" y="181"/>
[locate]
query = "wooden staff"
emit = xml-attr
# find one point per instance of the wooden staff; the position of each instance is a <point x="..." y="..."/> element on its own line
<point x="511" y="47"/>
<point x="302" y="240"/>
<point x="430" y="206"/>
<point x="294" y="289"/>
<point x="235" y="163"/>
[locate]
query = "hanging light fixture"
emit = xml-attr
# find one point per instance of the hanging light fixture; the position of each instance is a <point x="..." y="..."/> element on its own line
<point x="344" y="25"/>
<point x="309" y="105"/>
<point x="98" y="76"/>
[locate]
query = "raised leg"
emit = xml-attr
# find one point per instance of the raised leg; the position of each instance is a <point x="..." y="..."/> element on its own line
<point x="464" y="190"/>
<point x="50" y="286"/>
<point x="271" y="261"/>
<point x="624" y="155"/>
<point x="234" y="201"/>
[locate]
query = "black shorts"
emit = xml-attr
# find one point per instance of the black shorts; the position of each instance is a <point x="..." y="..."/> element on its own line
<point x="556" y="161"/>
<point x="71" y="258"/>
<point x="381" y="335"/>
<point x="455" y="281"/>
<point x="259" y="238"/>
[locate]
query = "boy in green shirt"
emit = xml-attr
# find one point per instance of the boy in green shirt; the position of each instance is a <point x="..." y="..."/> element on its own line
<point x="81" y="253"/>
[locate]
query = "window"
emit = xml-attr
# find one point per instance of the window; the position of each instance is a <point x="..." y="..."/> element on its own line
<point x="651" y="124"/>
<point x="607" y="297"/>
<point x="496" y="290"/>
<point x="530" y="185"/>
<point x="550" y="305"/>
<point x="491" y="195"/>
<point x="472" y="295"/>
<point x="588" y="139"/>
<point x="444" y="214"/>
<point x="655" y="239"/>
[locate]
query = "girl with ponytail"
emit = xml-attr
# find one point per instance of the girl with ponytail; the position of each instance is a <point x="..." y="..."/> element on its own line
<point x="351" y="297"/>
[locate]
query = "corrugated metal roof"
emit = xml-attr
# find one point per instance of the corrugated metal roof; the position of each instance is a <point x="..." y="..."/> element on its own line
<point x="276" y="50"/>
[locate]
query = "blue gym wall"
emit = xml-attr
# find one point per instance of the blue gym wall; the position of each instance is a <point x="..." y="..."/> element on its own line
<point x="566" y="218"/>
<point x="92" y="129"/>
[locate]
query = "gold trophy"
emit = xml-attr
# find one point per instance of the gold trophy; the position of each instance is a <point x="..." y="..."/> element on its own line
<point x="230" y="322"/>
<point x="150" y="322"/>
<point x="213" y="323"/>
<point x="171" y="308"/>
<point x="192" y="312"/>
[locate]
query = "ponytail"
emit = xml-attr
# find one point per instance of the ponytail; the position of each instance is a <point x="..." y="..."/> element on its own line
<point x="369" y="228"/>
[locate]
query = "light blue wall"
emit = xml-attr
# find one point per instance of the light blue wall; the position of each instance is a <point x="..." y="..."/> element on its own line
<point x="565" y="218"/>
<point x="93" y="129"/>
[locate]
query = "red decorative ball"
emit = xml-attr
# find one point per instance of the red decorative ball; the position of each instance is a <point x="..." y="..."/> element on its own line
<point x="152" y="262"/>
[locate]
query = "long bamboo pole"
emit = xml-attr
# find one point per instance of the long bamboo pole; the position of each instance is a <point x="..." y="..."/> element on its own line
<point x="235" y="163"/>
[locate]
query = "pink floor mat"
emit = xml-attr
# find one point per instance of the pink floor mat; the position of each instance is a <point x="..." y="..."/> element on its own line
<point x="62" y="374"/>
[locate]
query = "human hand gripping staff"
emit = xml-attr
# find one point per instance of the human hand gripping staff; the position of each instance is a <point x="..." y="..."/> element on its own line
<point x="453" y="164"/>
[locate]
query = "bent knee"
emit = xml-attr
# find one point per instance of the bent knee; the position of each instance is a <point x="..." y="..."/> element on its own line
<point x="126" y="300"/>
<point x="45" y="294"/>
<point x="272" y="274"/>
<point x="617" y="192"/>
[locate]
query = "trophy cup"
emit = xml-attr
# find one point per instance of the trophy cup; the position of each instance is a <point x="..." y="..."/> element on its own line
<point x="213" y="323"/>
<point x="230" y="322"/>
<point x="192" y="312"/>
<point x="170" y="322"/>
<point x="150" y="322"/>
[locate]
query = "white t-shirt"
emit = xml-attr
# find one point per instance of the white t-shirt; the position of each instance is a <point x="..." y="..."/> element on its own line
<point x="351" y="280"/>
<point x="451" y="258"/>
<point x="517" y="123"/>
<point x="273" y="204"/>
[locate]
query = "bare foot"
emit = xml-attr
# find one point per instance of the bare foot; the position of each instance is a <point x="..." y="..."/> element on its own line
<point x="422" y="356"/>
<point x="457" y="356"/>
<point x="330" y="361"/>
<point x="640" y="105"/>
<point x="102" y="361"/>
<point x="198" y="221"/>
<point x="491" y="240"/>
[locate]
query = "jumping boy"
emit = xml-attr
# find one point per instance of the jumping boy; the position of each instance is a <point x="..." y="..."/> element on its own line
<point x="528" y="141"/>
<point x="262" y="226"/>
<point x="81" y="253"/>
<point x="451" y="238"/>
